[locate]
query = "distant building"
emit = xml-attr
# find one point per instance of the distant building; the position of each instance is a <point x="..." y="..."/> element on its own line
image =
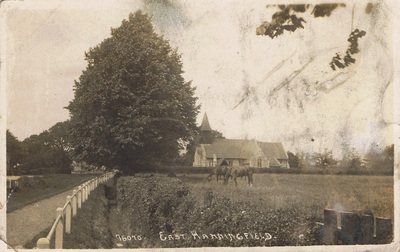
<point x="235" y="152"/>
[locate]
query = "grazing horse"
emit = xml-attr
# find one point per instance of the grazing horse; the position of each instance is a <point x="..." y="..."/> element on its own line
<point x="235" y="172"/>
<point x="219" y="171"/>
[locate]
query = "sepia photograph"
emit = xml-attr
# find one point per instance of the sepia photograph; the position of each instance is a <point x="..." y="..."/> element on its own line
<point x="164" y="125"/>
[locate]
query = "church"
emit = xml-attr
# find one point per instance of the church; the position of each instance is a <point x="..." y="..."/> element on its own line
<point x="216" y="151"/>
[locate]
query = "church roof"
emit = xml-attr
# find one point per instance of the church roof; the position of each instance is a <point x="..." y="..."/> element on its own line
<point x="273" y="150"/>
<point x="231" y="148"/>
<point x="205" y="125"/>
<point x="245" y="149"/>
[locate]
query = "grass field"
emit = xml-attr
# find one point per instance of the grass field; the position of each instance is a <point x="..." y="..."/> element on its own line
<point x="286" y="205"/>
<point x="312" y="193"/>
<point x="47" y="186"/>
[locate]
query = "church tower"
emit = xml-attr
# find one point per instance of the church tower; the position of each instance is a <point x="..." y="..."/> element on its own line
<point x="205" y="125"/>
<point x="206" y="133"/>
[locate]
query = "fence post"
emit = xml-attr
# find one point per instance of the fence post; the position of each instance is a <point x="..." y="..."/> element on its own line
<point x="43" y="243"/>
<point x="329" y="236"/>
<point x="59" y="230"/>
<point x="73" y="202"/>
<point x="83" y="192"/>
<point x="384" y="230"/>
<point x="79" y="196"/>
<point x="350" y="227"/>
<point x="68" y="216"/>
<point x="86" y="191"/>
<point x="367" y="229"/>
<point x="89" y="189"/>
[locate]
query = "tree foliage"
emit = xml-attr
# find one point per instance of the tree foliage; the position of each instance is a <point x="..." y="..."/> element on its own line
<point x="294" y="161"/>
<point x="337" y="61"/>
<point x="325" y="158"/>
<point x="379" y="159"/>
<point x="286" y="20"/>
<point x="207" y="137"/>
<point x="14" y="151"/>
<point x="353" y="161"/>
<point x="48" y="152"/>
<point x="132" y="106"/>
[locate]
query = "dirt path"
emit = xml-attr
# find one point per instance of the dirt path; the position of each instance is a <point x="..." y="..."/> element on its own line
<point x="25" y="223"/>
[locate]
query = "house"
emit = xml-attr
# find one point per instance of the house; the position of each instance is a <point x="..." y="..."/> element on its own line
<point x="235" y="152"/>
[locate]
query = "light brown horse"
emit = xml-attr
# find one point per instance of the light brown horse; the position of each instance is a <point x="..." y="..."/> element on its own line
<point x="243" y="171"/>
<point x="219" y="171"/>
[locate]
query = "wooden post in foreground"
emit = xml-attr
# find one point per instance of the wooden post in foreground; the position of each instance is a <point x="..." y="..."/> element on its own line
<point x="350" y="227"/>
<point x="366" y="229"/>
<point x="68" y="214"/>
<point x="384" y="230"/>
<point x="79" y="196"/>
<point x="83" y="192"/>
<point x="74" y="202"/>
<point x="43" y="243"/>
<point x="59" y="230"/>
<point x="329" y="236"/>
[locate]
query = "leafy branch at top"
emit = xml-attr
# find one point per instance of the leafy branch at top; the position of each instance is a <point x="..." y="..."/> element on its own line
<point x="286" y="19"/>
<point x="337" y="61"/>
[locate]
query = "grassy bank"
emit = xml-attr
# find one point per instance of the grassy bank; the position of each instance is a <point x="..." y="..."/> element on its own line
<point x="36" y="188"/>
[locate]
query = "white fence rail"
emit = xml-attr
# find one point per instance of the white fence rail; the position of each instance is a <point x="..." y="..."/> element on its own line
<point x="64" y="214"/>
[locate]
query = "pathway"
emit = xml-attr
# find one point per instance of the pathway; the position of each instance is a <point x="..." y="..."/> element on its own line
<point x="25" y="223"/>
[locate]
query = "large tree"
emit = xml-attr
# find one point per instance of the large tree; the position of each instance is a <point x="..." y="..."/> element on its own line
<point x="132" y="107"/>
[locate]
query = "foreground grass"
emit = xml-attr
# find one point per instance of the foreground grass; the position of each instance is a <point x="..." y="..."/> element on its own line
<point x="50" y="185"/>
<point x="312" y="193"/>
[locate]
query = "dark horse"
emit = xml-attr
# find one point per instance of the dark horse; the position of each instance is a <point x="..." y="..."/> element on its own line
<point x="219" y="171"/>
<point x="235" y="172"/>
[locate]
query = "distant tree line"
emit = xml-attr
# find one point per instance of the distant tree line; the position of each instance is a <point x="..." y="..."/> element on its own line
<point x="374" y="161"/>
<point x="48" y="152"/>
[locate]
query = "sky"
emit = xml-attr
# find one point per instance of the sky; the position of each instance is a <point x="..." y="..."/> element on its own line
<point x="252" y="87"/>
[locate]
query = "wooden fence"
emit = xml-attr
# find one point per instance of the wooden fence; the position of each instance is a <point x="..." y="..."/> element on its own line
<point x="341" y="227"/>
<point x="64" y="214"/>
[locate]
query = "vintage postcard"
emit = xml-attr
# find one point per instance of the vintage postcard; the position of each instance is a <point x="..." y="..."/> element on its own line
<point x="163" y="125"/>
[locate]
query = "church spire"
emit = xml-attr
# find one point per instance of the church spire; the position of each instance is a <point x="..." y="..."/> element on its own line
<point x="205" y="125"/>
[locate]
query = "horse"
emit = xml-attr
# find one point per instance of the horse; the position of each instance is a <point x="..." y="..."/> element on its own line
<point x="219" y="171"/>
<point x="235" y="172"/>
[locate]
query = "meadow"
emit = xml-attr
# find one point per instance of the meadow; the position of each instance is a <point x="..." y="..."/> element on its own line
<point x="310" y="192"/>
